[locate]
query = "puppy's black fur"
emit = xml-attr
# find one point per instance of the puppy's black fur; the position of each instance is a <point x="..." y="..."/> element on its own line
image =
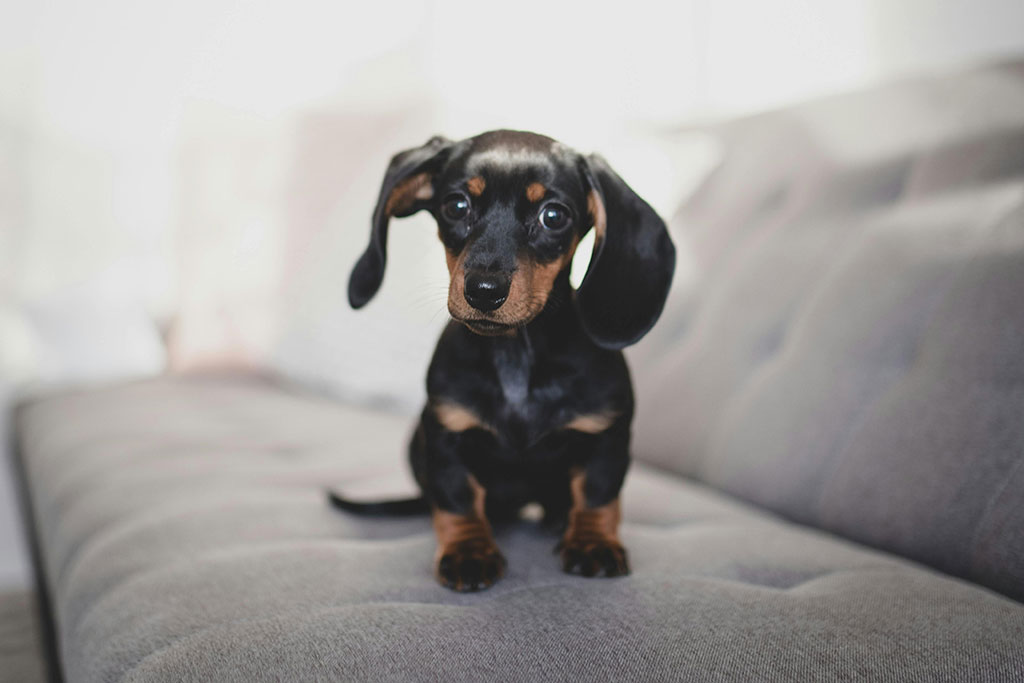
<point x="529" y="394"/>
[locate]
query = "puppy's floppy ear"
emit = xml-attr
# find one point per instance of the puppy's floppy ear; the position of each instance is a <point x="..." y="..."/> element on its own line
<point x="631" y="268"/>
<point x="407" y="187"/>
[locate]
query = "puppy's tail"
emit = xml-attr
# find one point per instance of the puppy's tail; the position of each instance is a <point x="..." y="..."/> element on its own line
<point x="406" y="507"/>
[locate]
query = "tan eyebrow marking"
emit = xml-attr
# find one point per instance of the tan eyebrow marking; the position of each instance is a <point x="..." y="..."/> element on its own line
<point x="592" y="423"/>
<point x="596" y="208"/>
<point x="535" y="191"/>
<point x="476" y="185"/>
<point x="458" y="418"/>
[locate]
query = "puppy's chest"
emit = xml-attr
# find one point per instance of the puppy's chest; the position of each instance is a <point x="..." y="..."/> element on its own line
<point x="531" y="398"/>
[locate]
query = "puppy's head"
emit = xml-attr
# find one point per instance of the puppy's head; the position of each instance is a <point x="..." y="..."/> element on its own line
<point x="510" y="208"/>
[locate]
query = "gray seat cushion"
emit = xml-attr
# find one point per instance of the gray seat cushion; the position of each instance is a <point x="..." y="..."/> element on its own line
<point x="22" y="656"/>
<point x="850" y="350"/>
<point x="186" y="537"/>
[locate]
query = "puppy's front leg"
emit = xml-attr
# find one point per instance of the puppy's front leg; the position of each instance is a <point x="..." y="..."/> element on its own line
<point x="467" y="557"/>
<point x="591" y="544"/>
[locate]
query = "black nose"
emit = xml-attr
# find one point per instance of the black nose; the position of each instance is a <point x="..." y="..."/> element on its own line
<point x="486" y="291"/>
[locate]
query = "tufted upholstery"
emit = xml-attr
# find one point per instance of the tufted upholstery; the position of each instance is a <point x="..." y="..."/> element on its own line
<point x="187" y="538"/>
<point x="847" y="351"/>
<point x="851" y="351"/>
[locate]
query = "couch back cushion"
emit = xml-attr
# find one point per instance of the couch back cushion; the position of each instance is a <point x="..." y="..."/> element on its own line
<point x="847" y="348"/>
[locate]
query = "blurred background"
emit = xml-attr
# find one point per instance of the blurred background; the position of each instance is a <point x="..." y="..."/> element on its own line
<point x="185" y="186"/>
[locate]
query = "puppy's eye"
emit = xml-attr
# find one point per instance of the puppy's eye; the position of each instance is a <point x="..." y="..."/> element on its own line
<point x="455" y="207"/>
<point x="554" y="216"/>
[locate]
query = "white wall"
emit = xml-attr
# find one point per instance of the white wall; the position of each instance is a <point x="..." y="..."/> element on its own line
<point x="925" y="35"/>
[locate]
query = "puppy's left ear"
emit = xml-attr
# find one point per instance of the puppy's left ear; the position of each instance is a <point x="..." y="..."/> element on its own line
<point x="631" y="268"/>
<point x="407" y="188"/>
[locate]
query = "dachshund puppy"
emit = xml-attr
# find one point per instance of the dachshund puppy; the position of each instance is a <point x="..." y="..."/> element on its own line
<point x="529" y="395"/>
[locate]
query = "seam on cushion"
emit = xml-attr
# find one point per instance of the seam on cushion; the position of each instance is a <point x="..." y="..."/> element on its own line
<point x="989" y="508"/>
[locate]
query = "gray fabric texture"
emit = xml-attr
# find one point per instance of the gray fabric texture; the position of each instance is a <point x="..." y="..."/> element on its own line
<point x="186" y="538"/>
<point x="850" y="352"/>
<point x="22" y="658"/>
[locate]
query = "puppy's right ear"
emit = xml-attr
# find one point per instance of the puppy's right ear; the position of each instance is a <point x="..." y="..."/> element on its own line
<point x="407" y="187"/>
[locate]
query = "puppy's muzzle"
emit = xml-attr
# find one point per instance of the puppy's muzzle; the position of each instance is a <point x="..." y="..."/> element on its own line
<point x="486" y="292"/>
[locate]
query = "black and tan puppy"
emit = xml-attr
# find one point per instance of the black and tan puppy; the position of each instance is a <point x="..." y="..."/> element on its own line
<point x="529" y="394"/>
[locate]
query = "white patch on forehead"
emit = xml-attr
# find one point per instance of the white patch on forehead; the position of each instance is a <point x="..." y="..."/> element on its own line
<point x="505" y="158"/>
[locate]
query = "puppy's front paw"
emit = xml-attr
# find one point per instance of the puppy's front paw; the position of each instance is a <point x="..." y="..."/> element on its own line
<point x="593" y="557"/>
<point x="470" y="566"/>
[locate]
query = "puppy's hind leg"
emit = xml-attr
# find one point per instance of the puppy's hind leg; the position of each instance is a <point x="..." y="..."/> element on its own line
<point x="555" y="500"/>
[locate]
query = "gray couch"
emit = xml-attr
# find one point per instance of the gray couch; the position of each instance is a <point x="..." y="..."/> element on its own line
<point x="829" y="456"/>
